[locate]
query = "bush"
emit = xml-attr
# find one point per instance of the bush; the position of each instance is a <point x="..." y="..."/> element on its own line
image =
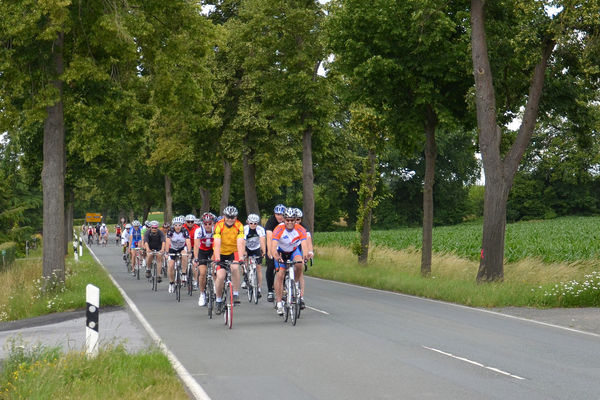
<point x="8" y="251"/>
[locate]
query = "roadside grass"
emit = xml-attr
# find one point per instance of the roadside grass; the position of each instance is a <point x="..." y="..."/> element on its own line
<point x="44" y="372"/>
<point x="23" y="294"/>
<point x="529" y="282"/>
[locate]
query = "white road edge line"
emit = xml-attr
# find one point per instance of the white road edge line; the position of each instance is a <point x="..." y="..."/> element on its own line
<point x="464" y="307"/>
<point x="475" y="363"/>
<point x="192" y="385"/>
<point x="317" y="310"/>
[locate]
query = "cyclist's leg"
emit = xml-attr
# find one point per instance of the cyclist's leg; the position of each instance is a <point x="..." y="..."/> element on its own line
<point x="278" y="284"/>
<point x="219" y="283"/>
<point x="184" y="261"/>
<point x="170" y="266"/>
<point x="201" y="278"/>
<point x="270" y="273"/>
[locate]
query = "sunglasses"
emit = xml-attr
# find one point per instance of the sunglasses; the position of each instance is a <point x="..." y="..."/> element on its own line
<point x="290" y="220"/>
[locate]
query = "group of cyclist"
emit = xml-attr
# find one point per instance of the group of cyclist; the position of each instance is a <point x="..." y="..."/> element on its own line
<point x="97" y="233"/>
<point x="211" y="238"/>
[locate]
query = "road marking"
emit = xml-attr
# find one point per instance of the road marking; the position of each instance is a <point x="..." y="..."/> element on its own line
<point x="191" y="383"/>
<point x="317" y="310"/>
<point x="463" y="307"/>
<point x="474" y="363"/>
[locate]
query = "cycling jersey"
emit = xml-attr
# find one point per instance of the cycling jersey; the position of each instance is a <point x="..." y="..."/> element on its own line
<point x="206" y="239"/>
<point x="155" y="240"/>
<point x="177" y="239"/>
<point x="135" y="235"/>
<point x="191" y="232"/>
<point x="253" y="236"/>
<point x="229" y="236"/>
<point x="103" y="231"/>
<point x="288" y="241"/>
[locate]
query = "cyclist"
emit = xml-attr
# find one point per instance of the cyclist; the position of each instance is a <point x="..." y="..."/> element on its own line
<point x="287" y="238"/>
<point x="165" y="228"/>
<point x="178" y="241"/>
<point x="125" y="239"/>
<point x="228" y="245"/>
<point x="103" y="234"/>
<point x="90" y="232"/>
<point x="255" y="244"/>
<point x="203" y="250"/>
<point x="307" y="252"/>
<point x="97" y="233"/>
<point x="135" y="238"/>
<point x="118" y="233"/>
<point x="145" y="228"/>
<point x="154" y="239"/>
<point x="270" y="226"/>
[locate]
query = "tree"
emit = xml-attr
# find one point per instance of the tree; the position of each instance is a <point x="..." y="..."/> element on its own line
<point x="525" y="37"/>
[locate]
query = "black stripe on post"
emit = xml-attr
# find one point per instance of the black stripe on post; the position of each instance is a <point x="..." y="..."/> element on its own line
<point x="91" y="315"/>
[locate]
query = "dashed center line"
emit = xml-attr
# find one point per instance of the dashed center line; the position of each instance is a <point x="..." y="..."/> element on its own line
<point x="474" y="363"/>
<point x="317" y="310"/>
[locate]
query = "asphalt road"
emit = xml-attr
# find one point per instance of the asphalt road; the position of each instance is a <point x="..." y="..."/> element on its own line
<point x="357" y="343"/>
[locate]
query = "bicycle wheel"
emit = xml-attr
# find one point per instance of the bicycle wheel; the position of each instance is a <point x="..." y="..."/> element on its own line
<point x="210" y="297"/>
<point x="298" y="309"/>
<point x="229" y="313"/>
<point x="154" y="276"/>
<point x="137" y="268"/>
<point x="255" y="287"/>
<point x="293" y="302"/>
<point x="190" y="281"/>
<point x="249" y="286"/>
<point x="178" y="284"/>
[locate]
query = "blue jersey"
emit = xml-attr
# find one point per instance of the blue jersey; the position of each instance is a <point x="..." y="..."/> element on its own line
<point x="135" y="235"/>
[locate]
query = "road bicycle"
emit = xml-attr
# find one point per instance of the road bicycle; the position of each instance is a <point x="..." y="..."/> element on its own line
<point x="104" y="240"/>
<point x="227" y="292"/>
<point x="127" y="260"/>
<point x="190" y="276"/>
<point x="139" y="262"/>
<point x="252" y="278"/>
<point x="117" y="240"/>
<point x="210" y="286"/>
<point x="154" y="270"/>
<point x="177" y="280"/>
<point x="291" y="293"/>
<point x="90" y="240"/>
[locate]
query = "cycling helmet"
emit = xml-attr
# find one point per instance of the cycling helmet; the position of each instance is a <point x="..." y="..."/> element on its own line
<point x="166" y="225"/>
<point x="253" y="219"/>
<point x="178" y="220"/>
<point x="147" y="223"/>
<point x="154" y="224"/>
<point x="279" y="209"/>
<point x="198" y="221"/>
<point x="104" y="225"/>
<point x="298" y="212"/>
<point x="135" y="223"/>
<point x="230" y="211"/>
<point x="289" y="213"/>
<point x="128" y="226"/>
<point x="190" y="217"/>
<point x="208" y="217"/>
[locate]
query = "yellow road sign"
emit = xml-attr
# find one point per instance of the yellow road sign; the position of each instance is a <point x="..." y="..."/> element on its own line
<point x="93" y="217"/>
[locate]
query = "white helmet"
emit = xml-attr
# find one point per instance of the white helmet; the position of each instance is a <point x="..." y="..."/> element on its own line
<point x="253" y="219"/>
<point x="135" y="223"/>
<point x="128" y="226"/>
<point x="230" y="211"/>
<point x="178" y="220"/>
<point x="190" y="217"/>
<point x="289" y="213"/>
<point x="298" y="212"/>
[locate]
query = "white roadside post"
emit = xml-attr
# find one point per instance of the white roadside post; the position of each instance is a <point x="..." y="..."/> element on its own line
<point x="92" y="297"/>
<point x="80" y="246"/>
<point x="75" y="241"/>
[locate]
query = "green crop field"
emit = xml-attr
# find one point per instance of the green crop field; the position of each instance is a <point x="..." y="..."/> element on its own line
<point x="567" y="239"/>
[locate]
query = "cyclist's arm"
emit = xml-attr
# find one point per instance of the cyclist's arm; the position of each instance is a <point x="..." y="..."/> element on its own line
<point x="263" y="245"/>
<point x="273" y="249"/>
<point x="241" y="247"/>
<point x="217" y="249"/>
<point x="168" y="244"/>
<point x="269" y="243"/>
<point x="188" y="244"/>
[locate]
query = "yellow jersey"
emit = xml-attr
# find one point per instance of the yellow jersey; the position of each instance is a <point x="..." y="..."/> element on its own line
<point x="229" y="236"/>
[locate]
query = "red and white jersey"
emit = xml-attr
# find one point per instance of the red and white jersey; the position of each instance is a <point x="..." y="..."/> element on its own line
<point x="191" y="232"/>
<point x="288" y="241"/>
<point x="206" y="238"/>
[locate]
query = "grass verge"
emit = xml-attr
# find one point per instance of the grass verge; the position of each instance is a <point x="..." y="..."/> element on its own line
<point x="529" y="282"/>
<point x="24" y="296"/>
<point x="42" y="373"/>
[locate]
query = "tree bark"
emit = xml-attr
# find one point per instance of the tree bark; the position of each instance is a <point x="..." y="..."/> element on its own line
<point x="204" y="199"/>
<point x="365" y="233"/>
<point x="430" y="156"/>
<point x="168" y="200"/>
<point x="499" y="173"/>
<point x="308" y="194"/>
<point x="53" y="177"/>
<point x="226" y="185"/>
<point x="69" y="223"/>
<point x="250" y="195"/>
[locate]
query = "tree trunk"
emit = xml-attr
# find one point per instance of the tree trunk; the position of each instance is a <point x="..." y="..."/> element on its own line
<point x="204" y="199"/>
<point x="168" y="217"/>
<point x="308" y="194"/>
<point x="365" y="233"/>
<point x="430" y="156"/>
<point x="226" y="185"/>
<point x="131" y="215"/>
<point x="499" y="173"/>
<point x="53" y="177"/>
<point x="250" y="195"/>
<point x="69" y="223"/>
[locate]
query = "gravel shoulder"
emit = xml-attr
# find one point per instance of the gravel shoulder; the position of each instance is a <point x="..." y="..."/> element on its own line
<point x="583" y="319"/>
